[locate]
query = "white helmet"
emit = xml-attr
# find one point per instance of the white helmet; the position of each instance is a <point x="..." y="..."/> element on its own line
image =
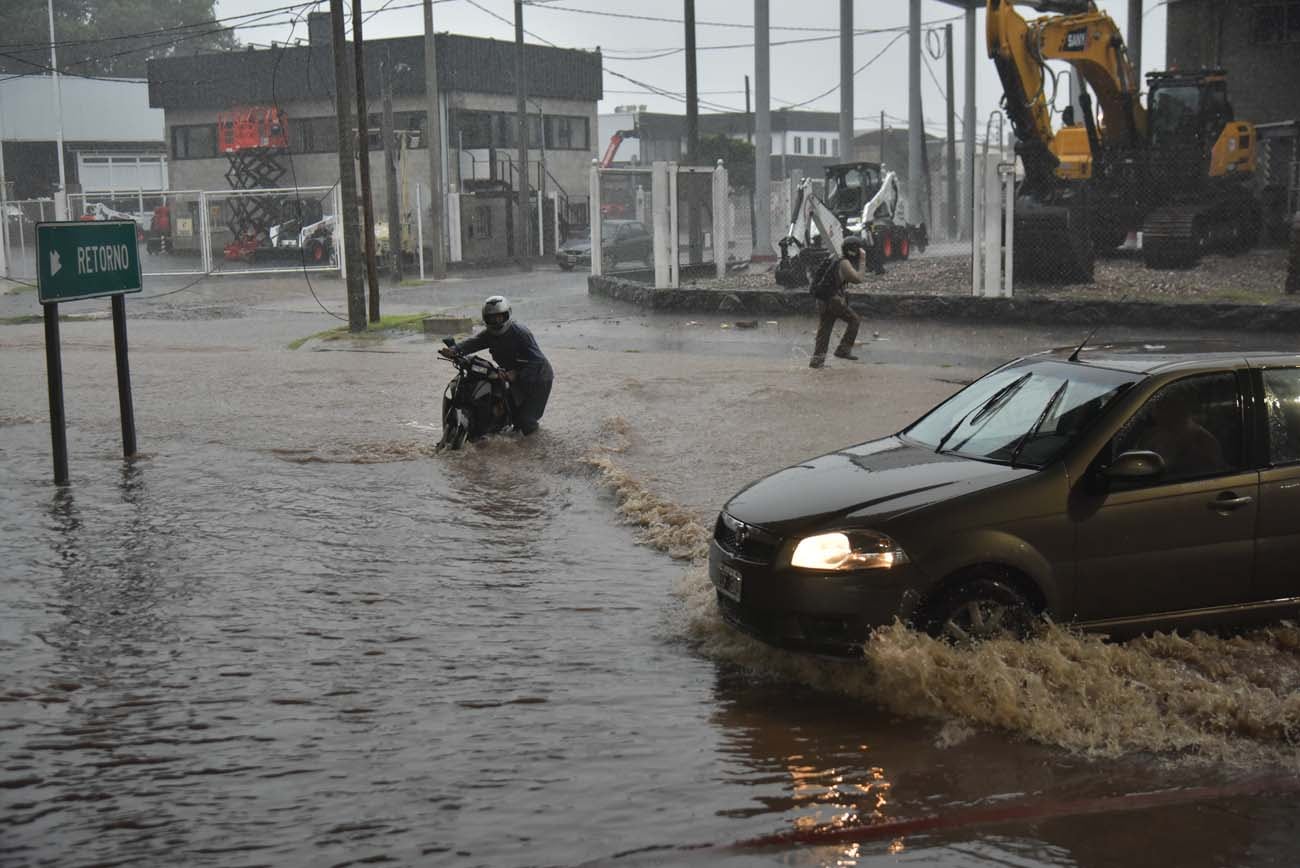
<point x="496" y="314"/>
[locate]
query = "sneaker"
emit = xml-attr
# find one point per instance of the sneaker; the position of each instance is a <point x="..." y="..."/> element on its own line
<point x="816" y="362"/>
<point x="845" y="355"/>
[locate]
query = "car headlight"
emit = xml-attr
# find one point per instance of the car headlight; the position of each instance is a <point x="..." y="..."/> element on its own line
<point x="855" y="550"/>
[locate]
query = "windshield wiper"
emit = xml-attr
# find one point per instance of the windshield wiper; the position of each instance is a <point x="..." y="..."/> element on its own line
<point x="1042" y="417"/>
<point x="984" y="409"/>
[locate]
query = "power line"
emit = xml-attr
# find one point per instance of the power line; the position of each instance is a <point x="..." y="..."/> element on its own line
<point x="879" y="54"/>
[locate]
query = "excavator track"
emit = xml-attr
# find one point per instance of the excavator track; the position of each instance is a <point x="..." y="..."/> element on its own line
<point x="1173" y="237"/>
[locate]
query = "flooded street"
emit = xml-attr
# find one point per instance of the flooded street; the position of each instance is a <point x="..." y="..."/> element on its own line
<point x="290" y="633"/>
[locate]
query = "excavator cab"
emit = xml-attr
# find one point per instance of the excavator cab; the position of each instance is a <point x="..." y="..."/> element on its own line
<point x="1195" y="138"/>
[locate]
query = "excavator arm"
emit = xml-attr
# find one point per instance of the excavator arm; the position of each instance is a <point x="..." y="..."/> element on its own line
<point x="1075" y="32"/>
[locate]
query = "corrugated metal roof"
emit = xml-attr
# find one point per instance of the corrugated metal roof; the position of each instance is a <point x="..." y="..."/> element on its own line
<point x="290" y="74"/>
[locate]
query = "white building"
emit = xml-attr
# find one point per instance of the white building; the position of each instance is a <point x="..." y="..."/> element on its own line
<point x="112" y="140"/>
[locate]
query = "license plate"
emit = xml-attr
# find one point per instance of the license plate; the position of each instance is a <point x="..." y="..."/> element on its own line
<point x="728" y="582"/>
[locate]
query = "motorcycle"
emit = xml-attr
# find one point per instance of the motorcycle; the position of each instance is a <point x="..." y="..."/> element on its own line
<point x="476" y="402"/>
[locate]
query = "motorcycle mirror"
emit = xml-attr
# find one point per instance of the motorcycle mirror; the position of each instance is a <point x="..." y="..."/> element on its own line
<point x="451" y="342"/>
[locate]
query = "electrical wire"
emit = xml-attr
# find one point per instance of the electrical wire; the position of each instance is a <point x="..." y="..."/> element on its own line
<point x="831" y="90"/>
<point x="293" y="173"/>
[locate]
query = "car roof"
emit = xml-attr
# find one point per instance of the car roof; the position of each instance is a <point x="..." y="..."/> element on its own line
<point x="1156" y="356"/>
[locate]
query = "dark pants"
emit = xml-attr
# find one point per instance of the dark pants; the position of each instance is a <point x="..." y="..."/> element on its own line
<point x="531" y="390"/>
<point x="831" y="309"/>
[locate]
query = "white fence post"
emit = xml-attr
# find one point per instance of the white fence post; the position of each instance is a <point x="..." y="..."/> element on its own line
<point x="720" y="245"/>
<point x="1007" y="174"/>
<point x="555" y="219"/>
<point x="419" y="228"/>
<point x="992" y="229"/>
<point x="977" y="230"/>
<point x="662" y="226"/>
<point x="205" y="235"/>
<point x="455" y="249"/>
<point x="595" y="220"/>
<point x="541" y="225"/>
<point x="674" y="228"/>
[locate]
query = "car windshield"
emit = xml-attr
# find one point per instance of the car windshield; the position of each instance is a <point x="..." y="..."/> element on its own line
<point x="1024" y="415"/>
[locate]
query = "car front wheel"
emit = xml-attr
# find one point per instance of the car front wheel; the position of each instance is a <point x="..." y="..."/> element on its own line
<point x="980" y="609"/>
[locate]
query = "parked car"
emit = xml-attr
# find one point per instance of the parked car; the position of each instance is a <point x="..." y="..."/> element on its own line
<point x="1122" y="488"/>
<point x="621" y="241"/>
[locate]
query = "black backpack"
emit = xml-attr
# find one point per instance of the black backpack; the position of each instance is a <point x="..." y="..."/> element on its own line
<point x="826" y="278"/>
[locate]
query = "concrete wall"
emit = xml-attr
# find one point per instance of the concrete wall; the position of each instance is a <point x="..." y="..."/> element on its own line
<point x="1262" y="73"/>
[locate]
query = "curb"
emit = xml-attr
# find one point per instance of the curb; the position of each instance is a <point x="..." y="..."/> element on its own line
<point x="960" y="308"/>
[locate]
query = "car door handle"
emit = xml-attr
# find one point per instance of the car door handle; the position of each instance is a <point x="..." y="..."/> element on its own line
<point x="1227" y="502"/>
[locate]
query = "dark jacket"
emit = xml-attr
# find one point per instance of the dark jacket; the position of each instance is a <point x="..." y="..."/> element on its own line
<point x="515" y="349"/>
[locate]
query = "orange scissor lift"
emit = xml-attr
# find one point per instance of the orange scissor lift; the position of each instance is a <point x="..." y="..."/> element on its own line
<point x="254" y="139"/>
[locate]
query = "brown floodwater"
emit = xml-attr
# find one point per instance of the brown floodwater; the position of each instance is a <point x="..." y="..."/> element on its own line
<point x="291" y="634"/>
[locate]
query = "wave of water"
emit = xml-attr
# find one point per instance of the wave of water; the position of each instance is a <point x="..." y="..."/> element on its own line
<point x="1231" y="700"/>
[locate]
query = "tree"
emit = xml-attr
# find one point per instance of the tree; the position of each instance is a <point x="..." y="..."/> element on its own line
<point x="86" y="31"/>
<point x="736" y="154"/>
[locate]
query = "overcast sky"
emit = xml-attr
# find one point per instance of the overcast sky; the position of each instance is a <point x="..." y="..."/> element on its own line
<point x="800" y="71"/>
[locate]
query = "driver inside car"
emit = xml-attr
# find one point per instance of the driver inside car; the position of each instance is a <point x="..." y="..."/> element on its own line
<point x="514" y="349"/>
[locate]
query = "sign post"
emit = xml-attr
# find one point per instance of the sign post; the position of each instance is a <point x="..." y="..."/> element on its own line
<point x="76" y="260"/>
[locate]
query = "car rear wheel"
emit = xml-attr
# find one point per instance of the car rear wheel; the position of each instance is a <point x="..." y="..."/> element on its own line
<point x="979" y="609"/>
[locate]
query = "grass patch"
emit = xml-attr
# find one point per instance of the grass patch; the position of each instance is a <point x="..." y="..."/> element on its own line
<point x="410" y="322"/>
<point x="25" y="319"/>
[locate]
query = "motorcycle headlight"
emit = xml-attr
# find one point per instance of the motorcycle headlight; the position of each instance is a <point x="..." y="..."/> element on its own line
<point x="851" y="550"/>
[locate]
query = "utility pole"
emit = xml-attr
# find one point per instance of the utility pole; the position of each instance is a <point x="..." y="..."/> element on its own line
<point x="347" y="172"/>
<point x="693" y="227"/>
<point x="363" y="145"/>
<point x="521" y="120"/>
<point x="1134" y="37"/>
<point x="762" y="134"/>
<point x="61" y="197"/>
<point x="390" y="179"/>
<point x="952" y="136"/>
<point x="437" y="195"/>
<point x="968" y="128"/>
<point x="882" y="137"/>
<point x="915" y="117"/>
<point x="846" y="79"/>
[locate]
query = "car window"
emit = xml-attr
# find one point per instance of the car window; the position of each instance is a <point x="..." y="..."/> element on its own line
<point x="1194" y="424"/>
<point x="1282" y="404"/>
<point x="1024" y="414"/>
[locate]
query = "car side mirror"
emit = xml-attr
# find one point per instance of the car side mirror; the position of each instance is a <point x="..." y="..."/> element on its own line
<point x="451" y="342"/>
<point x="1135" y="466"/>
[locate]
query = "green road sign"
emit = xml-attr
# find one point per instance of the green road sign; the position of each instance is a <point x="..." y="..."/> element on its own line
<point x="86" y="259"/>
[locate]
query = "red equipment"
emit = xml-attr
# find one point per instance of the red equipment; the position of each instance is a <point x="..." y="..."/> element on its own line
<point x="614" y="141"/>
<point x="253" y="138"/>
<point x="242" y="129"/>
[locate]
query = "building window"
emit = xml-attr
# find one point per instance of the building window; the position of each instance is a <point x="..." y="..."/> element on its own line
<point x="1276" y="22"/>
<point x="473" y="130"/>
<point x="835" y="147"/>
<point x="798" y="144"/>
<point x="823" y="147"/>
<point x="195" y="142"/>
<point x="313" y="135"/>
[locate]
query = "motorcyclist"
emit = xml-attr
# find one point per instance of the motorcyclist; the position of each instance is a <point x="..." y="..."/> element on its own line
<point x="515" y="351"/>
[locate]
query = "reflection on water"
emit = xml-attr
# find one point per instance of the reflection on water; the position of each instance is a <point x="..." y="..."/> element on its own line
<point x="232" y="658"/>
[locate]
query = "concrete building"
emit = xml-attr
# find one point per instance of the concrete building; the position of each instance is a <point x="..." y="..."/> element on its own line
<point x="1258" y="44"/>
<point x="476" y="79"/>
<point x="112" y="139"/>
<point x="802" y="142"/>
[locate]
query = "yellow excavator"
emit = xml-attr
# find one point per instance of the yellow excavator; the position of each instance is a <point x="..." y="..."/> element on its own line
<point x="1176" y="169"/>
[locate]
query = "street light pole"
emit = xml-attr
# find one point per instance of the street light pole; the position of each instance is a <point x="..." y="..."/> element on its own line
<point x="523" y="213"/>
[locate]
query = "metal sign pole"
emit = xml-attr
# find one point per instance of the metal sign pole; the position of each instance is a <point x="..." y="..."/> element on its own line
<point x="123" y="377"/>
<point x="54" y="378"/>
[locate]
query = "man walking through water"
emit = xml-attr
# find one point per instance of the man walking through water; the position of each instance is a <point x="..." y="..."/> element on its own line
<point x="833" y="304"/>
<point x="515" y="351"/>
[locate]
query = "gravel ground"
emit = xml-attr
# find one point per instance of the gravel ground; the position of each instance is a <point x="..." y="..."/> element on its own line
<point x="1256" y="277"/>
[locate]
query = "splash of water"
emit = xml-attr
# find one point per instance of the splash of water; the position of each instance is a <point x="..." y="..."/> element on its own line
<point x="1199" y="697"/>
